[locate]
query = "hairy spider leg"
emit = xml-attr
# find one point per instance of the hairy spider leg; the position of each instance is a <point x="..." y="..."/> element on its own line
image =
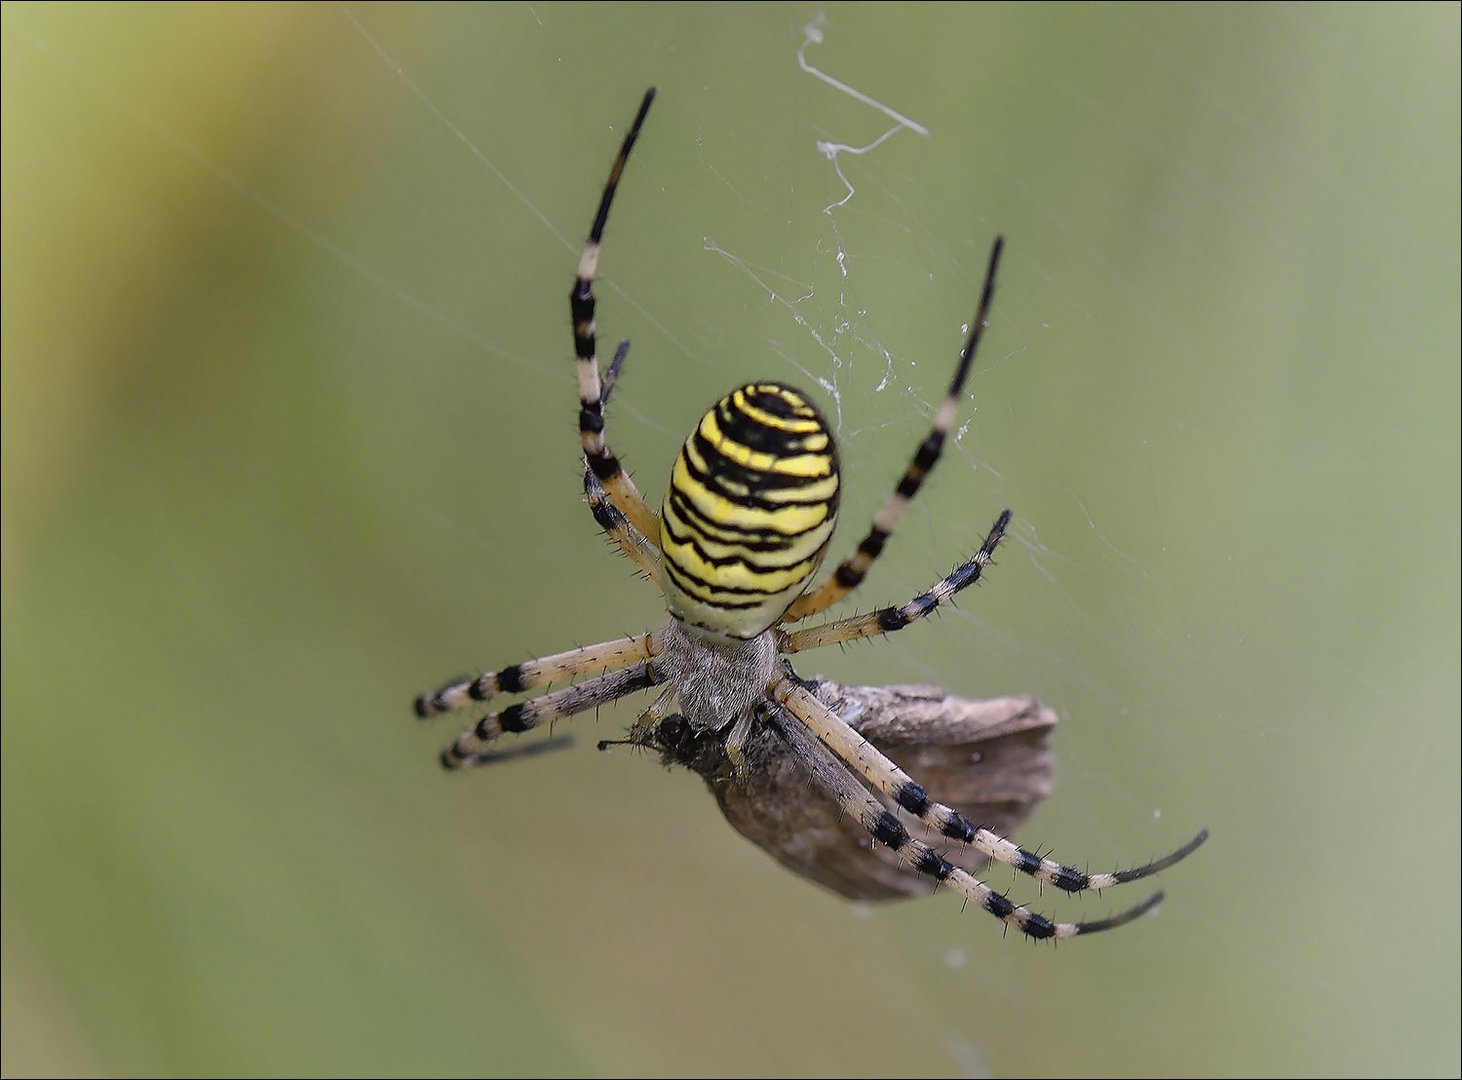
<point x="620" y="489"/>
<point x="828" y="773"/>
<point x="467" y="749"/>
<point x="852" y="570"/>
<point x="883" y="775"/>
<point x="887" y="620"/>
<point x="517" y="678"/>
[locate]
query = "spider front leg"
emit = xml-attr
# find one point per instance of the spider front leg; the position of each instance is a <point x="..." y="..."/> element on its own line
<point x="828" y="773"/>
<point x="601" y="460"/>
<point x="884" y="776"/>
<point x="851" y="572"/>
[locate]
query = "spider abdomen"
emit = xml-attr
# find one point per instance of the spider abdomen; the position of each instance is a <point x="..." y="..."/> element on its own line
<point x="751" y="506"/>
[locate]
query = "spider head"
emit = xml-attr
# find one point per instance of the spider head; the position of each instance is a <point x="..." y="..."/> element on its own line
<point x="751" y="507"/>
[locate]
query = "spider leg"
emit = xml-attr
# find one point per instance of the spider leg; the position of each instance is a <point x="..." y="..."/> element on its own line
<point x="889" y="619"/>
<point x="884" y="776"/>
<point x="545" y="746"/>
<point x="467" y="748"/>
<point x="612" y="372"/>
<point x="600" y="459"/>
<point x="641" y="551"/>
<point x="525" y="676"/>
<point x="832" y="776"/>
<point x="626" y="537"/>
<point x="851" y="572"/>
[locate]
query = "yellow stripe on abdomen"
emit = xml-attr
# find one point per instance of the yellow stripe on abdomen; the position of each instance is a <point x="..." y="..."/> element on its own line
<point x="752" y="502"/>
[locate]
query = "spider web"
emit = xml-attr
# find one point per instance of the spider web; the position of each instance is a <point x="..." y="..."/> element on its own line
<point x="835" y="220"/>
<point x="818" y="311"/>
<point x="816" y="323"/>
<point x="1211" y="394"/>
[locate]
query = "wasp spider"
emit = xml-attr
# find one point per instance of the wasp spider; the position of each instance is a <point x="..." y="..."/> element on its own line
<point x="750" y="510"/>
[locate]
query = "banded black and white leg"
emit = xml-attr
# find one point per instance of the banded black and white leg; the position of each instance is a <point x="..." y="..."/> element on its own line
<point x="887" y="620"/>
<point x="851" y="572"/>
<point x="470" y="748"/>
<point x="642" y="551"/>
<point x="828" y="773"/>
<point x="867" y="761"/>
<point x="519" y="678"/>
<point x="619" y="489"/>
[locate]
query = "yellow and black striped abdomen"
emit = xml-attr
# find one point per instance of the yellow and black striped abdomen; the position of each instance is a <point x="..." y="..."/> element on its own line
<point x="751" y="507"/>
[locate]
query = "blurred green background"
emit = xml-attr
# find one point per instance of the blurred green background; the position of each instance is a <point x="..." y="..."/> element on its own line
<point x="289" y="436"/>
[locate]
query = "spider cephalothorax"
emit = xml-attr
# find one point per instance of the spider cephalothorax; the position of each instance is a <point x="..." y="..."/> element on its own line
<point x="750" y="511"/>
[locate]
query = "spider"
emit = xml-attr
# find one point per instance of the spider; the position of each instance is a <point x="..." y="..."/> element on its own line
<point x="744" y="526"/>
